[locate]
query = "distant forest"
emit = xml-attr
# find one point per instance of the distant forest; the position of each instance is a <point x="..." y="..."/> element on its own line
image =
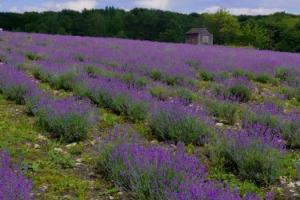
<point x="279" y="31"/>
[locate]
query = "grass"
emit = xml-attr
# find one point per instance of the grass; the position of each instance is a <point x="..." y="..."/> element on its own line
<point x="23" y="139"/>
<point x="65" y="181"/>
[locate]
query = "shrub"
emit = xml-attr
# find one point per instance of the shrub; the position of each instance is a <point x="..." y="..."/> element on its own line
<point x="119" y="103"/>
<point x="186" y="96"/>
<point x="251" y="155"/>
<point x="155" y="74"/>
<point x="229" y="112"/>
<point x="152" y="172"/>
<point x="94" y="72"/>
<point x="173" y="80"/>
<point x="265" y="78"/>
<point x="80" y="58"/>
<point x="137" y="111"/>
<point x="63" y="81"/>
<point x="91" y="70"/>
<point x="129" y="79"/>
<point x="207" y="76"/>
<point x="291" y="93"/>
<point x="173" y="122"/>
<point x="39" y="74"/>
<point x="14" y="84"/>
<point x="160" y="93"/>
<point x="239" y="92"/>
<point x="282" y="74"/>
<point x="33" y="56"/>
<point x="13" y="185"/>
<point x="65" y="161"/>
<point x="291" y="131"/>
<point x="140" y="83"/>
<point x="118" y="97"/>
<point x="242" y="73"/>
<point x="66" y="119"/>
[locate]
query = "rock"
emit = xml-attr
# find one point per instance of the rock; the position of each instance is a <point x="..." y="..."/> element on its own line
<point x="120" y="193"/>
<point x="44" y="188"/>
<point x="92" y="175"/>
<point x="41" y="137"/>
<point x="292" y="191"/>
<point x="71" y="145"/>
<point x="79" y="164"/>
<point x="291" y="185"/>
<point x="298" y="183"/>
<point x="219" y="124"/>
<point x="111" y="198"/>
<point x="79" y="160"/>
<point x="36" y="146"/>
<point x="93" y="142"/>
<point x="60" y="150"/>
<point x="67" y="197"/>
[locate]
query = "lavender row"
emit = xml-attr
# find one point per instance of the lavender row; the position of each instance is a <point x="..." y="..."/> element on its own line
<point x="169" y="120"/>
<point x="154" y="172"/>
<point x="68" y="119"/>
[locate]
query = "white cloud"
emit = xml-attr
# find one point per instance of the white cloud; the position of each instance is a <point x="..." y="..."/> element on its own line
<point x="13" y="9"/>
<point x="158" y="4"/>
<point x="244" y="11"/>
<point x="77" y="5"/>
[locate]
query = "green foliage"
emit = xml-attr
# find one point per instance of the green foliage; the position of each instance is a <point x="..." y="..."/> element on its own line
<point x="255" y="163"/>
<point x="63" y="81"/>
<point x="265" y="119"/>
<point x="186" y="96"/>
<point x="186" y="129"/>
<point x="141" y="82"/>
<point x="160" y="93"/>
<point x="253" y="34"/>
<point x="282" y="74"/>
<point x="33" y="56"/>
<point x="224" y="26"/>
<point x="243" y="73"/>
<point x="15" y="93"/>
<point x="69" y="128"/>
<point x="229" y="112"/>
<point x="137" y="111"/>
<point x="292" y="93"/>
<point x="240" y="92"/>
<point x="63" y="160"/>
<point x="265" y="78"/>
<point x="155" y="74"/>
<point x="207" y="76"/>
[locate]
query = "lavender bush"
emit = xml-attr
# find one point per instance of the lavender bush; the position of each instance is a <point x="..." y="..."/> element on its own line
<point x="173" y="121"/>
<point x="153" y="172"/>
<point x="13" y="185"/>
<point x="255" y="155"/>
<point x="228" y="112"/>
<point x="66" y="119"/>
<point x="14" y="84"/>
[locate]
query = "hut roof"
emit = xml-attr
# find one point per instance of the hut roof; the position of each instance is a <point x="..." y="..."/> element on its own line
<point x="198" y="30"/>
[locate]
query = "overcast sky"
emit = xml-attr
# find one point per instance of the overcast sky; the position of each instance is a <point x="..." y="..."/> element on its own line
<point x="251" y="7"/>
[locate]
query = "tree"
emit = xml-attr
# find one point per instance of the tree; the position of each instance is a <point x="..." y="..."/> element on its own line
<point x="254" y="35"/>
<point x="224" y="26"/>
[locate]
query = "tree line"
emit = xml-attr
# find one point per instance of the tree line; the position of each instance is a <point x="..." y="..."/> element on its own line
<point x="279" y="31"/>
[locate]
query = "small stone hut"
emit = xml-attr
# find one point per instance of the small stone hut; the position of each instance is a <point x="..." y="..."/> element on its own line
<point x="199" y="36"/>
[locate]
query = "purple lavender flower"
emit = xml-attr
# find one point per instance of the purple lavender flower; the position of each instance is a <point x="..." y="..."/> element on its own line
<point x="13" y="185"/>
<point x="161" y="173"/>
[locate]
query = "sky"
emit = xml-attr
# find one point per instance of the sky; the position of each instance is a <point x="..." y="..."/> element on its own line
<point x="236" y="7"/>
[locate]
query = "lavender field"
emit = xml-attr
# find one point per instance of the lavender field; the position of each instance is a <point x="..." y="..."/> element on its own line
<point x="104" y="118"/>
